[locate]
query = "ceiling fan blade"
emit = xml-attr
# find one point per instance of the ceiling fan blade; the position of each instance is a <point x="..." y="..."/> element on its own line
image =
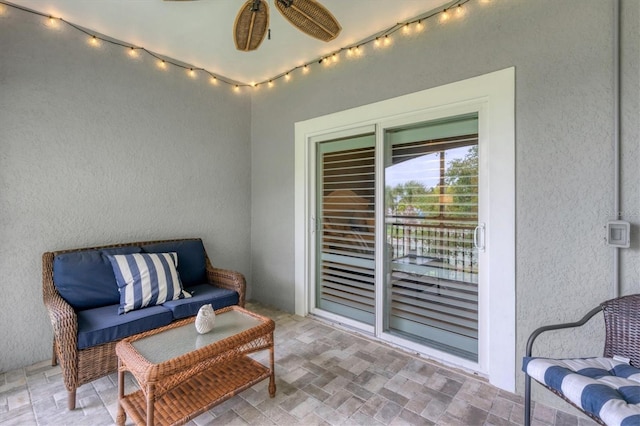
<point x="251" y="25"/>
<point x="310" y="17"/>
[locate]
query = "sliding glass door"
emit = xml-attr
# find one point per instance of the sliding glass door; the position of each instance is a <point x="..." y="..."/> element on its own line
<point x="405" y="222"/>
<point x="431" y="217"/>
<point x="345" y="227"/>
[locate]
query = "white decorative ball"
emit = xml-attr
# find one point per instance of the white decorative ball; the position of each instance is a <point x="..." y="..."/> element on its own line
<point x="205" y="319"/>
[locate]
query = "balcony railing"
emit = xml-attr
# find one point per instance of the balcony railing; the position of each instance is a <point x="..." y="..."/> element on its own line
<point x="448" y="246"/>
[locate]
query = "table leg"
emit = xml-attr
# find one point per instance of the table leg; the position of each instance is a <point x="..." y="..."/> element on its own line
<point x="272" y="379"/>
<point x="121" y="416"/>
<point x="150" y="406"/>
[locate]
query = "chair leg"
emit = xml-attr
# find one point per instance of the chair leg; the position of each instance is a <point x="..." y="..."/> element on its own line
<point x="71" y="401"/>
<point x="527" y="400"/>
<point x="54" y="356"/>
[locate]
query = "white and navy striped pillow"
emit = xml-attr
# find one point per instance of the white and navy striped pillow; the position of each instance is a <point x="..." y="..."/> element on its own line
<point x="146" y="279"/>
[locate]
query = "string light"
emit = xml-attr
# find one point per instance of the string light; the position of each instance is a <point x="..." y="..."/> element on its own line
<point x="383" y="38"/>
<point x="52" y="22"/>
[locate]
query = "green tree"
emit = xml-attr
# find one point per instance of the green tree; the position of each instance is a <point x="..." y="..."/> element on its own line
<point x="461" y="180"/>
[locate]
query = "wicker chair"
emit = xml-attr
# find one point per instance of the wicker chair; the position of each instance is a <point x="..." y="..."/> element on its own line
<point x="83" y="366"/>
<point x="622" y="338"/>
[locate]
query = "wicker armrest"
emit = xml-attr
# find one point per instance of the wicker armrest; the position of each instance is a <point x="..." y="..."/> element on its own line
<point x="64" y="322"/>
<point x="229" y="279"/>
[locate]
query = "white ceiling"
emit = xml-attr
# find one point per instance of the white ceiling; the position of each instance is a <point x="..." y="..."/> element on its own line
<point x="199" y="33"/>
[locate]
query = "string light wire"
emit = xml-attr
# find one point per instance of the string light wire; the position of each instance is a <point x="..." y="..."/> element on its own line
<point x="380" y="39"/>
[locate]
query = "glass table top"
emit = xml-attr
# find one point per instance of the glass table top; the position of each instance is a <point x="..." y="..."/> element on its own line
<point x="178" y="341"/>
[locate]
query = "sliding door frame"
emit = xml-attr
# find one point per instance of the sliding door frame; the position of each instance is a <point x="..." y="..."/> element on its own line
<point x="493" y="96"/>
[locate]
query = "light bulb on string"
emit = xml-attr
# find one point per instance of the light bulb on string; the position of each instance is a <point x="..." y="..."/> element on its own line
<point x="3" y="9"/>
<point x="132" y="52"/>
<point x="162" y="64"/>
<point x="305" y="69"/>
<point x="387" y="40"/>
<point x="236" y="88"/>
<point x="406" y="29"/>
<point x="287" y="77"/>
<point x="213" y="80"/>
<point x="377" y="42"/>
<point x="419" y="26"/>
<point x="191" y="73"/>
<point x="444" y="16"/>
<point x="52" y="22"/>
<point x="459" y="10"/>
<point x="93" y="40"/>
<point x="270" y="84"/>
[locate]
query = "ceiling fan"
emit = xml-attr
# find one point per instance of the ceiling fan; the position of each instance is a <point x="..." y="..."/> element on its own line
<point x="309" y="16"/>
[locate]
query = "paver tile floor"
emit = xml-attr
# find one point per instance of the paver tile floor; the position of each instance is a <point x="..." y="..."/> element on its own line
<point x="324" y="376"/>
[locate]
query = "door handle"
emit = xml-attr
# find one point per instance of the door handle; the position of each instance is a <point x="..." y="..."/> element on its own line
<point x="478" y="237"/>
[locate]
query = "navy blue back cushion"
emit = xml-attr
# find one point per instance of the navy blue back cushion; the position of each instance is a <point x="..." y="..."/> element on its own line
<point x="191" y="259"/>
<point x="85" y="279"/>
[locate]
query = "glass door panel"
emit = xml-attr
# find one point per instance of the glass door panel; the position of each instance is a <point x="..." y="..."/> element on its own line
<point x="345" y="212"/>
<point x="431" y="213"/>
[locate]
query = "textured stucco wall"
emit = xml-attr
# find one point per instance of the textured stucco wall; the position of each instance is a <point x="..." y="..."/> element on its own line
<point x="97" y="148"/>
<point x="562" y="52"/>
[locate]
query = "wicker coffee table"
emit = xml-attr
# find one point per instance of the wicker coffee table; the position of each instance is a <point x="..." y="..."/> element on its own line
<point x="182" y="374"/>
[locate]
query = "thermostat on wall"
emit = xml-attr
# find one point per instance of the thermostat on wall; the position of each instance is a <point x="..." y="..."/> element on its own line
<point x="618" y="233"/>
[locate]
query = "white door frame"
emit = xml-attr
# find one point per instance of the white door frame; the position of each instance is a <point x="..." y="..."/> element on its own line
<point x="497" y="304"/>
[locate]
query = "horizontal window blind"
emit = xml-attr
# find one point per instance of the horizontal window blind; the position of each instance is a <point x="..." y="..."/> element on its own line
<point x="346" y="266"/>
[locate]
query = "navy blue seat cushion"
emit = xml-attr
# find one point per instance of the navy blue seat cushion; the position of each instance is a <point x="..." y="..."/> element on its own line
<point x="85" y="279"/>
<point x="202" y="294"/>
<point x="102" y="325"/>
<point x="191" y="259"/>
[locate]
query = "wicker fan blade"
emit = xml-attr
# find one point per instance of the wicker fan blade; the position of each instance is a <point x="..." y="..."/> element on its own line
<point x="251" y="25"/>
<point x="310" y="17"/>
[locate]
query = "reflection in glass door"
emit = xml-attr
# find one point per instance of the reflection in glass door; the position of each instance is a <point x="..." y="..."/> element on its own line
<point x="345" y="228"/>
<point x="431" y="215"/>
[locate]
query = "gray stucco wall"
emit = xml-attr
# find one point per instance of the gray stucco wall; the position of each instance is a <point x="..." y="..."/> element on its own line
<point x="98" y="148"/>
<point x="562" y="52"/>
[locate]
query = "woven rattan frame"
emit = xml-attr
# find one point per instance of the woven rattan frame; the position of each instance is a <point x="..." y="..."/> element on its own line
<point x="311" y="18"/>
<point x="179" y="389"/>
<point x="251" y="26"/>
<point x="83" y="366"/>
<point x="622" y="338"/>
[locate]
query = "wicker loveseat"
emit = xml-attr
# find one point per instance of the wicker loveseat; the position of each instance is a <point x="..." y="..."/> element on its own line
<point x="607" y="389"/>
<point x="83" y="300"/>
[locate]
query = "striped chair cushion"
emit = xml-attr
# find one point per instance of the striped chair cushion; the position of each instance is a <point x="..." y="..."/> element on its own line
<point x="605" y="387"/>
<point x="146" y="279"/>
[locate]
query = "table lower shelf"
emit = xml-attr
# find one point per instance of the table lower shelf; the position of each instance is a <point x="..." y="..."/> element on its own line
<point x="198" y="394"/>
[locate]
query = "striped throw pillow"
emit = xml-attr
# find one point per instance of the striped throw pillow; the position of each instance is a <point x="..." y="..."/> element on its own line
<point x="146" y="279"/>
